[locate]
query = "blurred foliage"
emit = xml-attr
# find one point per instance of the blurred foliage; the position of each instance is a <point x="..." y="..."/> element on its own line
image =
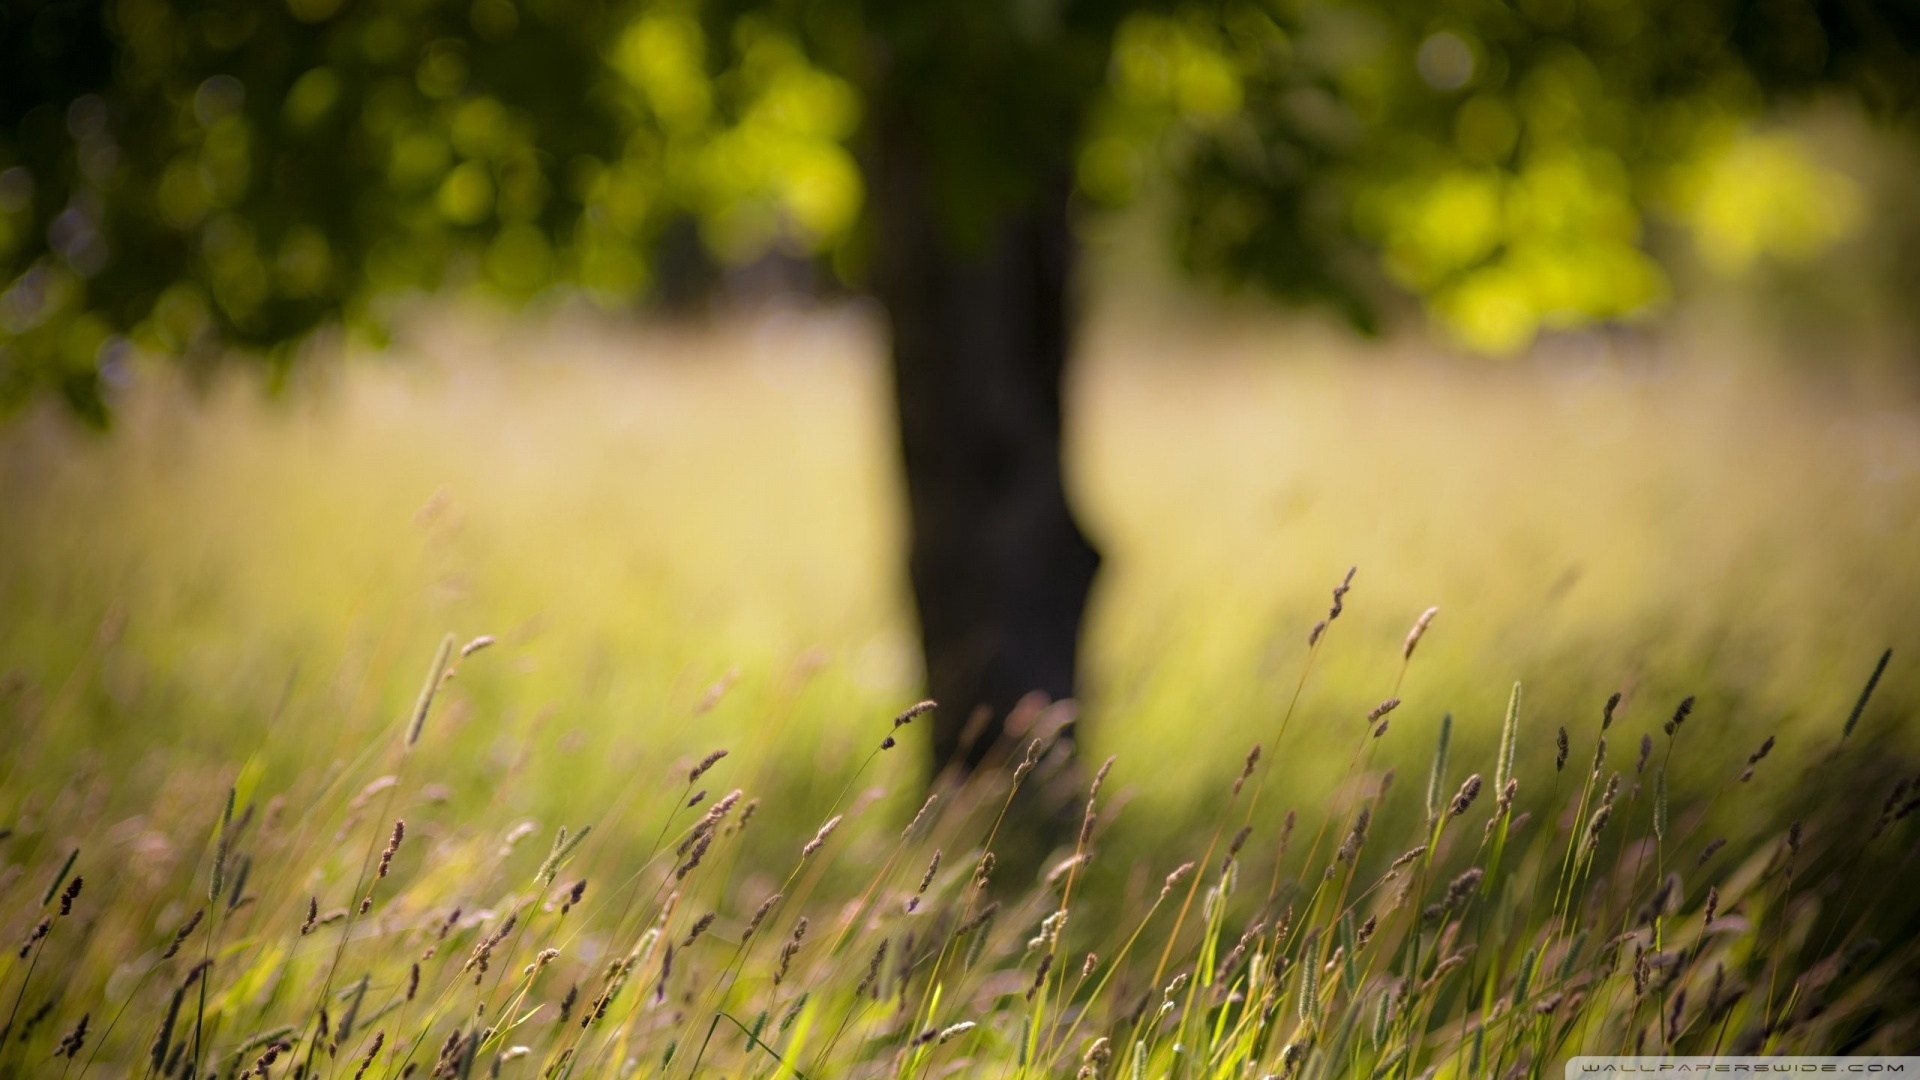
<point x="239" y="173"/>
<point x="187" y="176"/>
<point x="1500" y="159"/>
<point x="1760" y="195"/>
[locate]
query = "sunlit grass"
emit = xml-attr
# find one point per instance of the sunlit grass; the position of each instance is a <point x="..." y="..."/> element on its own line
<point x="688" y="542"/>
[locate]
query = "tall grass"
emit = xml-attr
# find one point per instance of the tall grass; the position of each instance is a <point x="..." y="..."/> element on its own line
<point x="341" y="926"/>
<point x="682" y="556"/>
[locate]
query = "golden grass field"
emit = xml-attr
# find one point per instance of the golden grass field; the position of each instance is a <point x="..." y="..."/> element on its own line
<point x="688" y="540"/>
<point x="635" y="513"/>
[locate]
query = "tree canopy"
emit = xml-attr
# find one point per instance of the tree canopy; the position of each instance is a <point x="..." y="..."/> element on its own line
<point x="194" y="176"/>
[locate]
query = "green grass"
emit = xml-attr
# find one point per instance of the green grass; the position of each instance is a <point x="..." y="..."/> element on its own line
<point x="234" y="603"/>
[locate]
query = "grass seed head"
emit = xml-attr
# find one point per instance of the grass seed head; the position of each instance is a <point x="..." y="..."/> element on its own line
<point x="1027" y="763"/>
<point x="1660" y="803"/>
<point x="1463" y="799"/>
<point x="793" y="1010"/>
<point x="1173" y="878"/>
<point x="186" y="929"/>
<point x="74" y="1040"/>
<point x="1355" y="837"/>
<point x="1509" y="740"/>
<point x="913" y="827"/>
<point x="1100" y="777"/>
<point x="699" y="852"/>
<point x="1039" y="976"/>
<point x="563" y="847"/>
<point x="1401" y="862"/>
<point x="393" y="845"/>
<point x="979" y="920"/>
<point x="163" y="1042"/>
<point x="1253" y="758"/>
<point x="820" y="837"/>
<point x="760" y="915"/>
<point x="1049" y="935"/>
<point x="926" y="879"/>
<point x="912" y="711"/>
<point x="1064" y="867"/>
<point x="871" y="980"/>
<point x="1339" y="597"/>
<point x="1309" y="988"/>
<point x="666" y="972"/>
<point x="194" y="973"/>
<point x="1419" y="631"/>
<point x="1239" y="841"/>
<point x="1365" y="933"/>
<point x="1598" y="824"/>
<point x="954" y="1031"/>
<point x="706" y="763"/>
<point x="792" y="946"/>
<point x="1093" y="1064"/>
<point x="1442" y="970"/>
<point x="1664" y="900"/>
<point x="1680" y="715"/>
<point x="1462" y="886"/>
<point x="379" y="1040"/>
<point x="699" y="927"/>
<point x="1340" y="593"/>
<point x="33" y="937"/>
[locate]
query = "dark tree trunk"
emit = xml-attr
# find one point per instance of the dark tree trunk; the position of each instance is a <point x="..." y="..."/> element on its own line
<point x="980" y="335"/>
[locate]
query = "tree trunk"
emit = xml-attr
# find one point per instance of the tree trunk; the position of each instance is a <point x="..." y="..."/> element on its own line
<point x="980" y="334"/>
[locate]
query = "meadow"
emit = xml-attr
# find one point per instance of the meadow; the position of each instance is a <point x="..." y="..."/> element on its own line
<point x="382" y="715"/>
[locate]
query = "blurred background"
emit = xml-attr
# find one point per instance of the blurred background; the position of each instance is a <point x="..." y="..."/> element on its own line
<point x="749" y="369"/>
